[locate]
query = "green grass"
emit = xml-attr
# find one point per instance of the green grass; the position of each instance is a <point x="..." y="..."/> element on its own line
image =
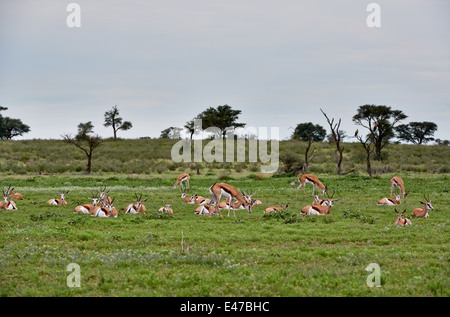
<point x="254" y="255"/>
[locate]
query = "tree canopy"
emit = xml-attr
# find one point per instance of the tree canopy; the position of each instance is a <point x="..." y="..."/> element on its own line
<point x="309" y="130"/>
<point x="380" y="121"/>
<point x="10" y="128"/>
<point x="113" y="120"/>
<point x="417" y="132"/>
<point x="222" y="117"/>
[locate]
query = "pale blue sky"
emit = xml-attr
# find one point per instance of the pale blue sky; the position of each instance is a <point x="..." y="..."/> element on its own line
<point x="163" y="62"/>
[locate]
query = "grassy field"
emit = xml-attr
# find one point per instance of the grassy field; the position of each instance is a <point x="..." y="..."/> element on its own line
<point x="283" y="254"/>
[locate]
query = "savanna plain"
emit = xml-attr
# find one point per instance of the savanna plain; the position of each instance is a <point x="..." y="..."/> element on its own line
<point x="255" y="254"/>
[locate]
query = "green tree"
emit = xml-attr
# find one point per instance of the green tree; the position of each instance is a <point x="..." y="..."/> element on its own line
<point x="10" y="128"/>
<point x="380" y="121"/>
<point x="309" y="131"/>
<point x="85" y="141"/>
<point x="416" y="132"/>
<point x="113" y="120"/>
<point x="222" y="117"/>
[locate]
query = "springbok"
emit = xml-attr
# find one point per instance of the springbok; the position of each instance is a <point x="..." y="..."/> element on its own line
<point x="108" y="211"/>
<point x="7" y="204"/>
<point x="401" y="221"/>
<point x="390" y="201"/>
<point x="310" y="179"/>
<point x="317" y="200"/>
<point x="167" y="208"/>
<point x="57" y="201"/>
<point x="183" y="178"/>
<point x="275" y="208"/>
<point x="16" y="196"/>
<point x="87" y="208"/>
<point x="105" y="200"/>
<point x="138" y="207"/>
<point x="249" y="198"/>
<point x="206" y="210"/>
<point x="187" y="199"/>
<point x="200" y="200"/>
<point x="398" y="182"/>
<point x="423" y="212"/>
<point x="324" y="209"/>
<point x="218" y="190"/>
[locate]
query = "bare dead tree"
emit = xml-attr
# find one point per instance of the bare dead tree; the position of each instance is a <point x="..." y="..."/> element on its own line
<point x="369" y="147"/>
<point x="309" y="154"/>
<point x="337" y="136"/>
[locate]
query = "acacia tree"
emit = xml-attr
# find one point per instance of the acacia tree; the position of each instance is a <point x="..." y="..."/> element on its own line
<point x="222" y="117"/>
<point x="416" y="132"/>
<point x="113" y="120"/>
<point x="337" y="135"/>
<point x="308" y="130"/>
<point x="380" y="121"/>
<point x="85" y="141"/>
<point x="10" y="127"/>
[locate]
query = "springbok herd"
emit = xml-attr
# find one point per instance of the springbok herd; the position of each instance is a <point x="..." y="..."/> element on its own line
<point x="103" y="205"/>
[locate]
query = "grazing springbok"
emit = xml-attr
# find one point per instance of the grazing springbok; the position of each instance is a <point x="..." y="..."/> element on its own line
<point x="183" y="178"/>
<point x="310" y="179"/>
<point x="324" y="209"/>
<point x="16" y="196"/>
<point x="187" y="199"/>
<point x="401" y="221"/>
<point x="7" y="204"/>
<point x="275" y="208"/>
<point x="218" y="190"/>
<point x="138" y="207"/>
<point x="423" y="212"/>
<point x="398" y="182"/>
<point x="56" y="201"/>
<point x="390" y="201"/>
<point x="167" y="208"/>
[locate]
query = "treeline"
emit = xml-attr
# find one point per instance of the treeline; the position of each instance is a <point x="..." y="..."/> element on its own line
<point x="153" y="157"/>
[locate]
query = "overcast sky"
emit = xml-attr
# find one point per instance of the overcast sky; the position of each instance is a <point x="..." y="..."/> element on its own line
<point x="164" y="61"/>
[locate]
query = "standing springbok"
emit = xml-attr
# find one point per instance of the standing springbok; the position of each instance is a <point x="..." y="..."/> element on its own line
<point x="167" y="208"/>
<point x="275" y="208"/>
<point x="183" y="178"/>
<point x="401" y="221"/>
<point x="138" y="207"/>
<point x="423" y="212"/>
<point x="218" y="190"/>
<point x="16" y="196"/>
<point x="310" y="179"/>
<point x="398" y="182"/>
<point x="57" y="201"/>
<point x="389" y="201"/>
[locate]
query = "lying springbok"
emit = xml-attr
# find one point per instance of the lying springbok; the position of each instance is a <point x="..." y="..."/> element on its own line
<point x="16" y="196"/>
<point x="57" y="201"/>
<point x="200" y="200"/>
<point x="88" y="208"/>
<point x="423" y="212"/>
<point x="108" y="211"/>
<point x="390" y="201"/>
<point x="167" y="208"/>
<point x="249" y="198"/>
<point x="324" y="209"/>
<point x="138" y="207"/>
<point x="318" y="201"/>
<point x="401" y="221"/>
<point x="206" y="210"/>
<point x="187" y="199"/>
<point x="103" y="198"/>
<point x="275" y="208"/>
<point x="7" y="204"/>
